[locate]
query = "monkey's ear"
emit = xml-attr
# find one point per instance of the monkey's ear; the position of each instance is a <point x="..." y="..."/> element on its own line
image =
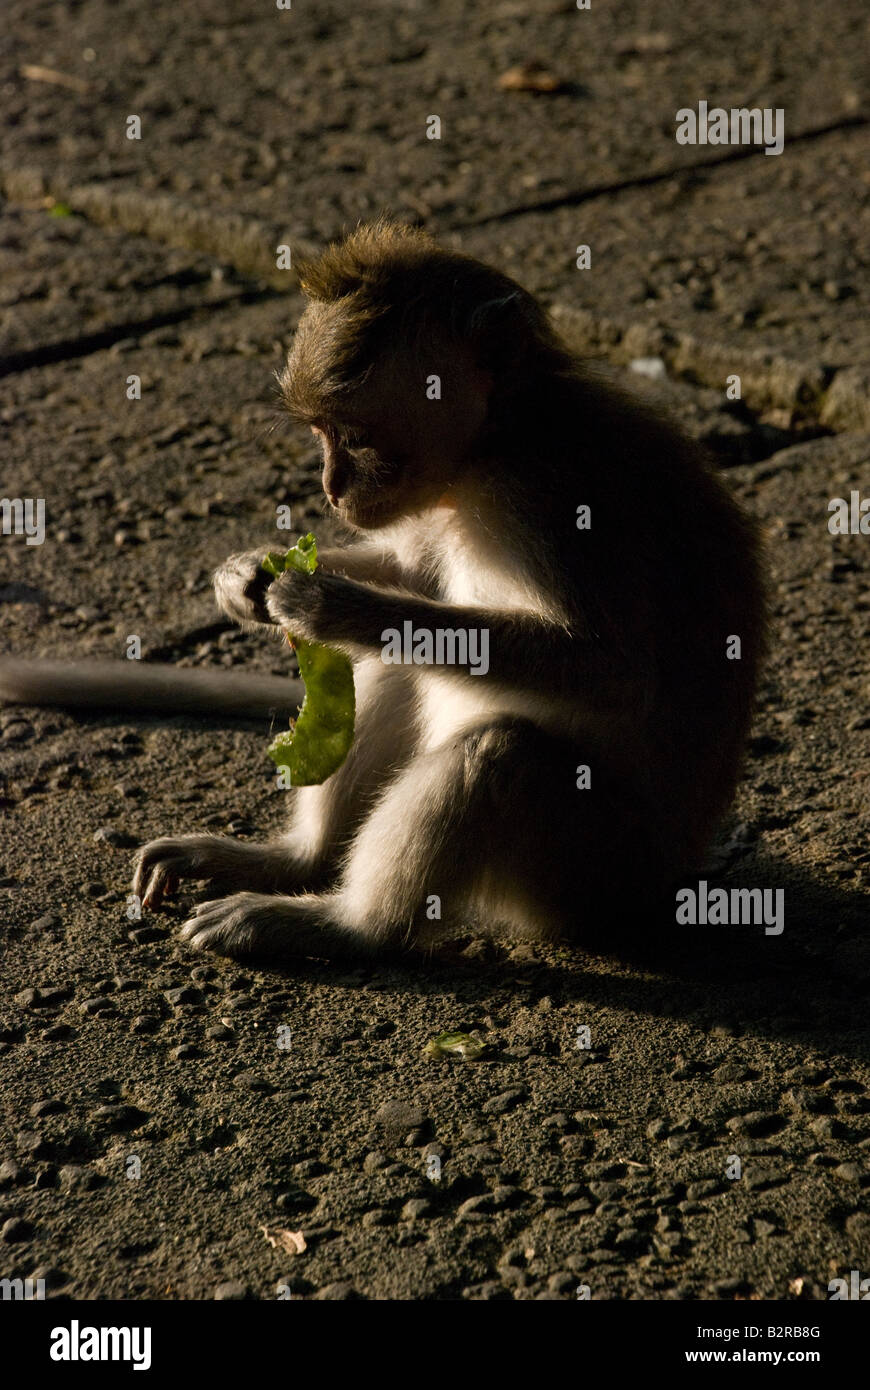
<point x="502" y="330"/>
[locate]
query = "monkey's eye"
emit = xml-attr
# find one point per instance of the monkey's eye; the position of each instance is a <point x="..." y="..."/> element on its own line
<point x="356" y="440"/>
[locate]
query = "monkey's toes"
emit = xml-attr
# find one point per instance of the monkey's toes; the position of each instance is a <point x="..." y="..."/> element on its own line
<point x="231" y="926"/>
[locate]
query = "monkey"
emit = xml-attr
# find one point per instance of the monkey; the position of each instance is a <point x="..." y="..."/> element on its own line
<point x="488" y="482"/>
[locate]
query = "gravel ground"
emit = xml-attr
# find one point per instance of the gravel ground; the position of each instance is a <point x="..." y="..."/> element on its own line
<point x="545" y="1164"/>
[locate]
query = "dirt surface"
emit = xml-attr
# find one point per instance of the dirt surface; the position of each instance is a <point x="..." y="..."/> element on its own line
<point x="546" y="1164"/>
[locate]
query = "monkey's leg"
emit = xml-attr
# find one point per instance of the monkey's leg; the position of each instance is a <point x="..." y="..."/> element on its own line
<point x="323" y="818"/>
<point x="472" y="818"/>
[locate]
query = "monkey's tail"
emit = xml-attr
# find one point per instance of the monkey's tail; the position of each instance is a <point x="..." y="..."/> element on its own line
<point x="134" y="686"/>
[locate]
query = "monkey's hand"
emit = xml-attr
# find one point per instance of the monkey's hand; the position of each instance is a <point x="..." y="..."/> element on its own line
<point x="300" y="602"/>
<point x="240" y="587"/>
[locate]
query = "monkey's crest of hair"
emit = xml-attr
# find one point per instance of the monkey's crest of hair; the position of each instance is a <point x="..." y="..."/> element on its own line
<point x="389" y="289"/>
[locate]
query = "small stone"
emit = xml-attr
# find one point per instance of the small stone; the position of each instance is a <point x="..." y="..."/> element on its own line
<point x="338" y="1292"/>
<point x="416" y="1208"/>
<point x="10" y="1173"/>
<point x="219" y="1032"/>
<point x="184" y="1052"/>
<point x="475" y="1208"/>
<point x="33" y="1144"/>
<point x="50" y="1275"/>
<point x="15" y="1229"/>
<point x="183" y="994"/>
<point x="48" y="923"/>
<point x="849" y="1172"/>
<point x="507" y="1100"/>
<point x="375" y="1161"/>
<point x="826" y="1128"/>
<point x="27" y="998"/>
<point x="118" y="839"/>
<point x="376" y="1217"/>
<point x="231" y="1291"/>
<point x="652" y="367"/>
<point x="707" y="1187"/>
<point x="558" y="1121"/>
<point x="58" y="1032"/>
<point x="47" y="1107"/>
<point x="143" y="936"/>
<point x="144" y="1023"/>
<point x="99" y="1004"/>
<point x="400" y="1115"/>
<point x="119" y="1117"/>
<point x="74" y="1177"/>
<point x="756" y="1123"/>
<point x="249" y="1081"/>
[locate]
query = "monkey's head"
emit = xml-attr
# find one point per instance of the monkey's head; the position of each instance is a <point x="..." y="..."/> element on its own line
<point x="399" y="356"/>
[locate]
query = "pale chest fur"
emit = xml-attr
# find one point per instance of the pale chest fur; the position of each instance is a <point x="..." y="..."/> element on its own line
<point x="476" y="571"/>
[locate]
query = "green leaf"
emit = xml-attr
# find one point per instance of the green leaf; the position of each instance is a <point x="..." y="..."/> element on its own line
<point x="319" y="741"/>
<point x="463" y="1045"/>
<point x="60" y="210"/>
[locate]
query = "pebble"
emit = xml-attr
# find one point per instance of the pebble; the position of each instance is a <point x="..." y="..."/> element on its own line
<point x="47" y="1107"/>
<point x="756" y="1123"/>
<point x="337" y="1292"/>
<point x="183" y="994"/>
<point x="219" y="1032"/>
<point x="377" y="1217"/>
<point x="400" y="1115"/>
<point x="143" y="936"/>
<point x="416" y="1208"/>
<point x="144" y="1023"/>
<point x="118" y="839"/>
<point x="33" y="1144"/>
<point x="99" y="1004"/>
<point x="15" y="1228"/>
<point x="707" y="1187"/>
<point x="249" y="1081"/>
<point x="849" y="1172"/>
<point x="74" y="1177"/>
<point x="508" y="1100"/>
<point x="230" y="1291"/>
<point x="10" y="1173"/>
<point x="49" y="922"/>
<point x="119" y="1117"/>
<point x="58" y="1032"/>
<point x="375" y="1161"/>
<point x="51" y="1276"/>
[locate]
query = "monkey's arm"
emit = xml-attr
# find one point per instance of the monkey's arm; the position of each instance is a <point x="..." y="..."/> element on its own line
<point x="524" y="650"/>
<point x="241" y="583"/>
<point x="365" y="564"/>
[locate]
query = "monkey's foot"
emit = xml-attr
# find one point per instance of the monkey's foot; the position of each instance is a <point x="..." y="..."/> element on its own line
<point x="258" y="925"/>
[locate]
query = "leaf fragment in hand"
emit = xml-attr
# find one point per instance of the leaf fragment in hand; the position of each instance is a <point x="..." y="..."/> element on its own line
<point x="318" y="742"/>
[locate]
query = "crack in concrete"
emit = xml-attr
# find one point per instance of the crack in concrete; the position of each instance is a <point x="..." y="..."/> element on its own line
<point x="604" y="190"/>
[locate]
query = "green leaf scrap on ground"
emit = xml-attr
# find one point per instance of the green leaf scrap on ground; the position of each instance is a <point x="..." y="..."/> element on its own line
<point x="319" y="740"/>
<point x="60" y="210"/>
<point x="463" y="1045"/>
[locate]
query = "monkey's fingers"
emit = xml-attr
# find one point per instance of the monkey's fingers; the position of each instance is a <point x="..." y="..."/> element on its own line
<point x="159" y="867"/>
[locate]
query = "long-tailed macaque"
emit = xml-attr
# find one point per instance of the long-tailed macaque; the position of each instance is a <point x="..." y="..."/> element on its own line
<point x="553" y="609"/>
